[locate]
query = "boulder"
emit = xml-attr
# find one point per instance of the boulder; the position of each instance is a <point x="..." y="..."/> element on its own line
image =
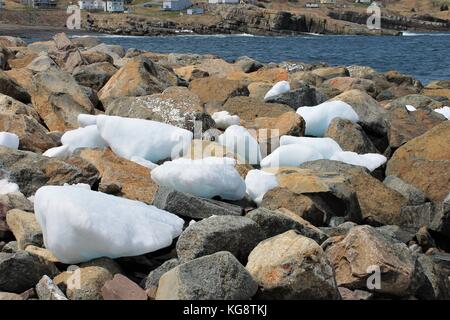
<point x="215" y="91"/>
<point x="238" y="235"/>
<point x="350" y="136"/>
<point x="414" y="195"/>
<point x="438" y="283"/>
<point x="114" y="51"/>
<point x="25" y="228"/>
<point x="32" y="171"/>
<point x="441" y="217"/>
<point x="86" y="42"/>
<point x="303" y="96"/>
<point x="8" y="296"/>
<point x="120" y="176"/>
<point x="348" y="83"/>
<point x="96" y="57"/>
<point x="247" y="64"/>
<point x="94" y="75"/>
<point x="47" y="290"/>
<point x="365" y="251"/>
<point x="11" y="106"/>
<point x="83" y="283"/>
<point x="405" y="125"/>
<point x="291" y="266"/>
<point x="10" y="88"/>
<point x="218" y="276"/>
<point x="418" y="101"/>
<point x="191" y="72"/>
<point x="360" y="71"/>
<point x="176" y="106"/>
<point x="122" y="288"/>
<point x="32" y="135"/>
<point x="43" y="253"/>
<point x="42" y="63"/>
<point x="21" y="271"/>
<point x="424" y="161"/>
<point x="371" y="114"/>
<point x="23" y="77"/>
<point x="189" y="206"/>
<point x="139" y="76"/>
<point x="273" y="223"/>
<point x="151" y="283"/>
<point x="331" y="72"/>
<point x="8" y="41"/>
<point x="59" y="100"/>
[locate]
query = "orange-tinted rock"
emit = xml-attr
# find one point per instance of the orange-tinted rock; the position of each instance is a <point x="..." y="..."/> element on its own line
<point x="122" y="288"/>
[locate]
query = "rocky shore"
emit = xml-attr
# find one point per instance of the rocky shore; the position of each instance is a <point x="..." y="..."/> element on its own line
<point x="134" y="175"/>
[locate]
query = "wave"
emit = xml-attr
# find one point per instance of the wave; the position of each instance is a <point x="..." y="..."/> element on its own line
<point x="421" y="34"/>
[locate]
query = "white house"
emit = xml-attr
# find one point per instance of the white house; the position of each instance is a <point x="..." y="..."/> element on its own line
<point x="91" y="5"/>
<point x="176" y="5"/>
<point x="363" y="1"/>
<point x="115" y="6"/>
<point x="328" y="1"/>
<point x="192" y="11"/>
<point x="312" y="5"/>
<point x="224" y="1"/>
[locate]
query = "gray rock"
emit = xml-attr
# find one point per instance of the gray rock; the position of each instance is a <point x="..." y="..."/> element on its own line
<point x="47" y="290"/>
<point x="151" y="283"/>
<point x="32" y="171"/>
<point x="42" y="63"/>
<point x="187" y="205"/>
<point x="5" y="296"/>
<point x="94" y="75"/>
<point x="350" y="136"/>
<point x="441" y="219"/>
<point x="305" y="96"/>
<point x="340" y="230"/>
<point x="21" y="271"/>
<point x="273" y="223"/>
<point x="395" y="232"/>
<point x="25" y="228"/>
<point x="247" y="64"/>
<point x="10" y="247"/>
<point x="413" y="217"/>
<point x="437" y="284"/>
<point x="218" y="276"/>
<point x="414" y="195"/>
<point x="238" y="235"/>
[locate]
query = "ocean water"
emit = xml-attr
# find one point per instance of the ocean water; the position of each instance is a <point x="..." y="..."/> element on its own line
<point x="423" y="55"/>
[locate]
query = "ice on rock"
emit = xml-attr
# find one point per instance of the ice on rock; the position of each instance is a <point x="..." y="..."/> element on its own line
<point x="150" y="140"/>
<point x="143" y="162"/>
<point x="224" y="120"/>
<point x="80" y="225"/>
<point x="85" y="120"/>
<point x="318" y="118"/>
<point x="369" y="160"/>
<point x="326" y="146"/>
<point x="8" y="187"/>
<point x="258" y="182"/>
<point x="279" y="88"/>
<point x="238" y="140"/>
<point x="9" y="140"/>
<point x="291" y="155"/>
<point x="60" y="151"/>
<point x="207" y="178"/>
<point x="445" y="111"/>
<point x="87" y="137"/>
<point x="410" y="108"/>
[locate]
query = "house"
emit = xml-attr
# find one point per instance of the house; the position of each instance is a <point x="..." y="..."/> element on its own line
<point x="91" y="5"/>
<point x="363" y="1"/>
<point x="115" y="6"/>
<point x="176" y="5"/>
<point x="312" y="5"/>
<point x="328" y="1"/>
<point x="38" y="4"/>
<point x="192" y="11"/>
<point x="224" y="1"/>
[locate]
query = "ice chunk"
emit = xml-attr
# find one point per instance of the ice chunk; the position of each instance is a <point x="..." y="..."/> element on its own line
<point x="143" y="162"/>
<point x="223" y="119"/>
<point x="85" y="120"/>
<point x="80" y="225"/>
<point x="87" y="137"/>
<point x="258" y="182"/>
<point x="208" y="177"/>
<point x="291" y="155"/>
<point x="326" y="146"/>
<point x="57" y="152"/>
<point x="410" y="108"/>
<point x="150" y="140"/>
<point x="318" y="118"/>
<point x="445" y="111"/>
<point x="279" y="88"/>
<point x="238" y="140"/>
<point x="8" y="187"/>
<point x="369" y="160"/>
<point x="9" y="140"/>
